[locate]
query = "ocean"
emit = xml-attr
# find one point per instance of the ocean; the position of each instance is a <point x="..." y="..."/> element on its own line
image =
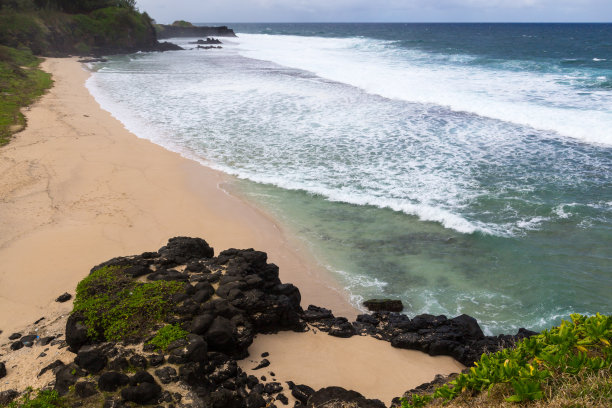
<point x="461" y="168"/>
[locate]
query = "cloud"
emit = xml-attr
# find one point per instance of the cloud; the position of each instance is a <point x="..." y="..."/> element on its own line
<point x="377" y="10"/>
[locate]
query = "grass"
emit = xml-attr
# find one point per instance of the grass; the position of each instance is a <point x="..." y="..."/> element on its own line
<point x="43" y="399"/>
<point x="167" y="335"/>
<point x="566" y="366"/>
<point x="116" y="307"/>
<point x="20" y="84"/>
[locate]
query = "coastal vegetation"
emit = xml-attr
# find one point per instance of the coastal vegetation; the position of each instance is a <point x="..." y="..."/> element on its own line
<point x="61" y="27"/>
<point x="42" y="399"/>
<point x="21" y="82"/>
<point x="115" y="307"/>
<point x="569" y="364"/>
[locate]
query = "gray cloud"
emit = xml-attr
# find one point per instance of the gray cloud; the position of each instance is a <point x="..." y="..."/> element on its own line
<point x="378" y="10"/>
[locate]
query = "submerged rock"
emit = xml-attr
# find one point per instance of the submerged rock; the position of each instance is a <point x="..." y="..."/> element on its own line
<point x="384" y="305"/>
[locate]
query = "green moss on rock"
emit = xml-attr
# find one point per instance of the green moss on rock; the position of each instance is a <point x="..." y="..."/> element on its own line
<point x="116" y="307"/>
<point x="167" y="335"/>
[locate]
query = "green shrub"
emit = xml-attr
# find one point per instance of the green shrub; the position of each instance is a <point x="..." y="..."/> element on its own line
<point x="167" y="335"/>
<point x="116" y="307"/>
<point x="43" y="399"/>
<point x="567" y="353"/>
<point x="20" y="84"/>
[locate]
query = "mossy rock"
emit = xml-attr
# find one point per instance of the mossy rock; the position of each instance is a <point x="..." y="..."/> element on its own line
<point x="116" y="307"/>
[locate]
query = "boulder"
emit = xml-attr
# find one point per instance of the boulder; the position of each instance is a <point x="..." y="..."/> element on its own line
<point x="183" y="249"/>
<point x="384" y="305"/>
<point x="220" y="335"/>
<point x="76" y="332"/>
<point x="85" y="389"/>
<point x="337" y="397"/>
<point x="167" y="375"/>
<point x="301" y="392"/>
<point x="2" y="370"/>
<point x="91" y="359"/>
<point x="6" y="397"/>
<point x="63" y="297"/>
<point x="145" y="393"/>
<point x="111" y="380"/>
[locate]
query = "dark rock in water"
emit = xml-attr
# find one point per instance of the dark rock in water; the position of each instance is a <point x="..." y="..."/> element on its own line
<point x="91" y="359"/>
<point x="85" y="389"/>
<point x="14" y="336"/>
<point x="167" y="46"/>
<point x="264" y="363"/>
<point x="92" y="60"/>
<point x="2" y="370"/>
<point x="63" y="297"/>
<point x="6" y="397"/>
<point x="144" y="393"/>
<point x="384" y="305"/>
<point x="16" y="345"/>
<point x="207" y="41"/>
<point x="302" y="392"/>
<point x="337" y="397"/>
<point x="111" y="380"/>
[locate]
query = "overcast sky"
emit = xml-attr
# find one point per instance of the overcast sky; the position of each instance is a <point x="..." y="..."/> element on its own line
<point x="234" y="11"/>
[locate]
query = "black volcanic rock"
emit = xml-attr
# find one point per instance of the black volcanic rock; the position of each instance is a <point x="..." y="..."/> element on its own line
<point x="221" y="304"/>
<point x="301" y="392"/>
<point x="2" y="370"/>
<point x="63" y="297"/>
<point x="337" y="397"/>
<point x="384" y="305"/>
<point x="6" y="397"/>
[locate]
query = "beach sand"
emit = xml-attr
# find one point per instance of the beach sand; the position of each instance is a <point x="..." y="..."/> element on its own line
<point x="77" y="188"/>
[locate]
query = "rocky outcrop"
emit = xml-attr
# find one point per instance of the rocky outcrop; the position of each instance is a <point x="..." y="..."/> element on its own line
<point x="460" y="337"/>
<point x="208" y="40"/>
<point x="384" y="305"/>
<point x="172" y="31"/>
<point x="223" y="302"/>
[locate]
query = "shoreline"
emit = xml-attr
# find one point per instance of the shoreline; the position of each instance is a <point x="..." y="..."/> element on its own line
<point x="78" y="189"/>
<point x="76" y="179"/>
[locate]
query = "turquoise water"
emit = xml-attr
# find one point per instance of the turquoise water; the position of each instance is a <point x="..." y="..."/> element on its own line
<point x="460" y="168"/>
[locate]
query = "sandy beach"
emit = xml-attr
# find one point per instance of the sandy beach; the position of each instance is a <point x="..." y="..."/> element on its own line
<point x="77" y="189"/>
